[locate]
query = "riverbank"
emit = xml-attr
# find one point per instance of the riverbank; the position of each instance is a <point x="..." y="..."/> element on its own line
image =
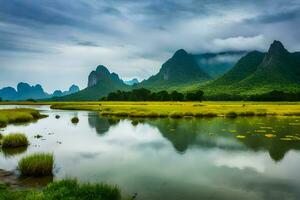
<point x="18" y="115"/>
<point x="185" y="109"/>
<point x="12" y="188"/>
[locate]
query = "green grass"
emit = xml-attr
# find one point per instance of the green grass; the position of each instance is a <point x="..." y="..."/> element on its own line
<point x="185" y="109"/>
<point x="75" y="120"/>
<point x="18" y="115"/>
<point x="38" y="164"/>
<point x="65" y="189"/>
<point x="14" y="140"/>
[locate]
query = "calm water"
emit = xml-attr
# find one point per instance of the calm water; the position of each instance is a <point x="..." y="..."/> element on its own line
<point x="168" y="158"/>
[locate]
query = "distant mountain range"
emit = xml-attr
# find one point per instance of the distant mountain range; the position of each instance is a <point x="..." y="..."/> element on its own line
<point x="226" y="73"/>
<point x="25" y="91"/>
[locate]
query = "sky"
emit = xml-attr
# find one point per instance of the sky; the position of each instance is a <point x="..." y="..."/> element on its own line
<point x="57" y="43"/>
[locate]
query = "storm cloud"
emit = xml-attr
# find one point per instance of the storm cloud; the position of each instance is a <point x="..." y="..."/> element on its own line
<point x="57" y="43"/>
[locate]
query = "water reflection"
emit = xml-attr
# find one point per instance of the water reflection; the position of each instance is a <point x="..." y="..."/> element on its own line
<point x="101" y="124"/>
<point x="173" y="159"/>
<point x="11" y="152"/>
<point x="219" y="132"/>
<point x="222" y="133"/>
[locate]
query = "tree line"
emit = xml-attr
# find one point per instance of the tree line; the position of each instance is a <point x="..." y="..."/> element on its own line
<point x="143" y="94"/>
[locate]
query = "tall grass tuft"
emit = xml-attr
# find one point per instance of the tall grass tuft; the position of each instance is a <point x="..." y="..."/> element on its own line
<point x="38" y="164"/>
<point x="14" y="140"/>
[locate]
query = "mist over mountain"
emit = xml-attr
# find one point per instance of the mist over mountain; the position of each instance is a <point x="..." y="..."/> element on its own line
<point x="258" y="72"/>
<point x="216" y="64"/>
<point x="132" y="81"/>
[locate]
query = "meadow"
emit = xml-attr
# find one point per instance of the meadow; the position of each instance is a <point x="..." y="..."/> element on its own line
<point x="184" y="109"/>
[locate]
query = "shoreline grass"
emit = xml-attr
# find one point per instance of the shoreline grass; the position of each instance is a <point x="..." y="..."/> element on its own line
<point x="64" y="189"/>
<point x="36" y="165"/>
<point x="185" y="109"/>
<point x="14" y="140"/>
<point x="18" y="115"/>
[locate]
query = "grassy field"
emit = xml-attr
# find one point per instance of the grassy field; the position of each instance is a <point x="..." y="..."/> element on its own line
<point x="64" y="189"/>
<point x="18" y="115"/>
<point x="184" y="109"/>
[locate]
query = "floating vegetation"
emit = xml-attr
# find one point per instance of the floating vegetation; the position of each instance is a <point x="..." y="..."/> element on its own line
<point x="260" y="131"/>
<point x="240" y="136"/>
<point x="286" y="139"/>
<point x="270" y="135"/>
<point x="266" y="127"/>
<point x="294" y="124"/>
<point x="290" y="138"/>
<point x="232" y="131"/>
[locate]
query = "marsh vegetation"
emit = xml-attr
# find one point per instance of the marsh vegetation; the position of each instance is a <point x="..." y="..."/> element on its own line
<point x="19" y="115"/>
<point x="38" y="164"/>
<point x="14" y="140"/>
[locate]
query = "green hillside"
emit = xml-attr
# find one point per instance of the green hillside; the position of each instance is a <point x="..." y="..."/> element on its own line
<point x="258" y="73"/>
<point x="179" y="71"/>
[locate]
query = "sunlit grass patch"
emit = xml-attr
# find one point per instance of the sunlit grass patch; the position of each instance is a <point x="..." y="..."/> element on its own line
<point x="14" y="140"/>
<point x="71" y="189"/>
<point x="18" y="115"/>
<point x="180" y="109"/>
<point x="38" y="164"/>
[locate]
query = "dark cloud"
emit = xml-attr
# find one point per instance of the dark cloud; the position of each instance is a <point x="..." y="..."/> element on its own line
<point x="277" y="17"/>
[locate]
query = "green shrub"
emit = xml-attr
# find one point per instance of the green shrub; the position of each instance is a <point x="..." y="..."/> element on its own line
<point x="38" y="164"/>
<point x="14" y="140"/>
<point x="75" y="120"/>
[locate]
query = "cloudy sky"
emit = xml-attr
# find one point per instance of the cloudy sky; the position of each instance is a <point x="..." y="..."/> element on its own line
<point x="57" y="43"/>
